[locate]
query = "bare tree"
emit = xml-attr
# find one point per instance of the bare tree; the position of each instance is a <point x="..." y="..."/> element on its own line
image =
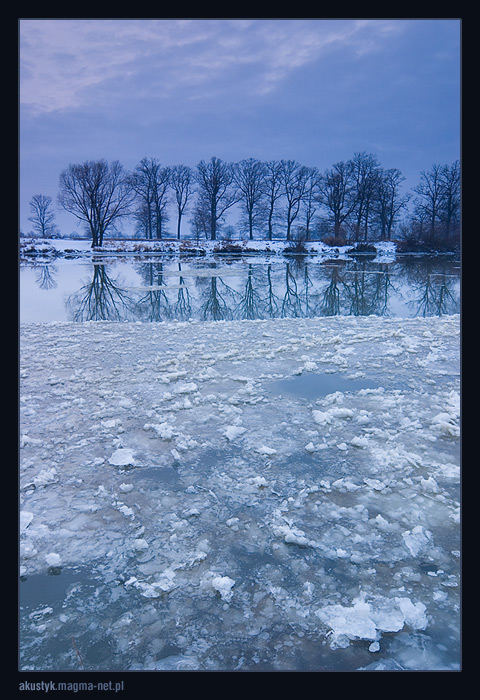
<point x="200" y="220"/>
<point x="310" y="198"/>
<point x="365" y="171"/>
<point x="160" y="200"/>
<point x="388" y="200"/>
<point x="43" y="216"/>
<point x="97" y="193"/>
<point x="181" y="181"/>
<point x="337" y="194"/>
<point x="249" y="179"/>
<point x="429" y="204"/>
<point x="450" y="207"/>
<point x="143" y="182"/>
<point x="294" y="178"/>
<point x="216" y="183"/>
<point x="273" y="191"/>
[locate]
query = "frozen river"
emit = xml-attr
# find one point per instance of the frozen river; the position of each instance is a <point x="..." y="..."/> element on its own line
<point x="276" y="494"/>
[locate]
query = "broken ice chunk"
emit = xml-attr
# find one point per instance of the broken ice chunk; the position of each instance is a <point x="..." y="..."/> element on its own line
<point x="234" y="431"/>
<point x="265" y="450"/>
<point x="417" y="539"/>
<point x="121" y="457"/>
<point x="53" y="559"/>
<point x="224" y="585"/>
<point x="25" y="519"/>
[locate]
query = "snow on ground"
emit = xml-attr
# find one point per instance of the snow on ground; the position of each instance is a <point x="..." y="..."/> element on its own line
<point x="50" y="248"/>
<point x="178" y="511"/>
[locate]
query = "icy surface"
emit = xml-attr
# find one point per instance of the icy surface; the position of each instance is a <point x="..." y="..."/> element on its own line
<point x="178" y="513"/>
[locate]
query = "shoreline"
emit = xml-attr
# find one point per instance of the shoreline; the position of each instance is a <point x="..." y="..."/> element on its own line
<point x="68" y="249"/>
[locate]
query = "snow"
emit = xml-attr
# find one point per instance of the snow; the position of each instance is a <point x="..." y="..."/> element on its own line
<point x="52" y="248"/>
<point x="242" y="536"/>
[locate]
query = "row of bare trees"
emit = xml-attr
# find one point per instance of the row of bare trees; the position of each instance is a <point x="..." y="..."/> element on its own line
<point x="357" y="199"/>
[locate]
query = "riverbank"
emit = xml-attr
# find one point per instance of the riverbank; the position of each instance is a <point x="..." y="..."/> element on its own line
<point x="58" y="248"/>
<point x="271" y="495"/>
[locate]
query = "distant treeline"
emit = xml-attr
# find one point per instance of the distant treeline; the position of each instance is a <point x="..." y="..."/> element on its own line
<point x="354" y="200"/>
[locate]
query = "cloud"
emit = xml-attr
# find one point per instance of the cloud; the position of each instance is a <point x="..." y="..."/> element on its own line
<point x="65" y="62"/>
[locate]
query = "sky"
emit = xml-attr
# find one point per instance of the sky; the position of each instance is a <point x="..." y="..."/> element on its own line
<point x="312" y="90"/>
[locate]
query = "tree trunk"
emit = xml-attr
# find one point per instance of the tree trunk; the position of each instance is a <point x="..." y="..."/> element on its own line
<point x="178" y="224"/>
<point x="213" y="222"/>
<point x="270" y="229"/>
<point x="336" y="231"/>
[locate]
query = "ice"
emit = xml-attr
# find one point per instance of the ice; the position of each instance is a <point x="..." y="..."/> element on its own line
<point x="348" y="622"/>
<point x="224" y="585"/>
<point x="414" y="613"/>
<point x="234" y="431"/>
<point x="417" y="539"/>
<point x="292" y="535"/>
<point x="265" y="450"/>
<point x="140" y="545"/>
<point x="53" y="559"/>
<point x="163" y="430"/>
<point x="368" y="620"/>
<point x="328" y="417"/>
<point x="25" y="519"/>
<point x="359" y="441"/>
<point x="297" y="524"/>
<point x="122" y="457"/>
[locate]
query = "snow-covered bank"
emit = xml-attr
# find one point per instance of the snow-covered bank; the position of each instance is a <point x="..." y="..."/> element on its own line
<point x="202" y="518"/>
<point x="52" y="248"/>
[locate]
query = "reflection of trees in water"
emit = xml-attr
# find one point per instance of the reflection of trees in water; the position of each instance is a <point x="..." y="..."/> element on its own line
<point x="330" y="297"/>
<point x="368" y="290"/>
<point x="44" y="277"/>
<point x="384" y="286"/>
<point x="218" y="299"/>
<point x="183" y="306"/>
<point x="307" y="285"/>
<point x="435" y="297"/>
<point x="356" y="289"/>
<point x="432" y="285"/>
<point x="154" y="305"/>
<point x="291" y="304"/>
<point x="248" y="306"/>
<point x="270" y="302"/>
<point x="102" y="299"/>
<point x="286" y="289"/>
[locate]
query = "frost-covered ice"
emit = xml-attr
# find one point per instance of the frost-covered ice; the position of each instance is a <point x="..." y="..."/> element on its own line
<point x="177" y="512"/>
